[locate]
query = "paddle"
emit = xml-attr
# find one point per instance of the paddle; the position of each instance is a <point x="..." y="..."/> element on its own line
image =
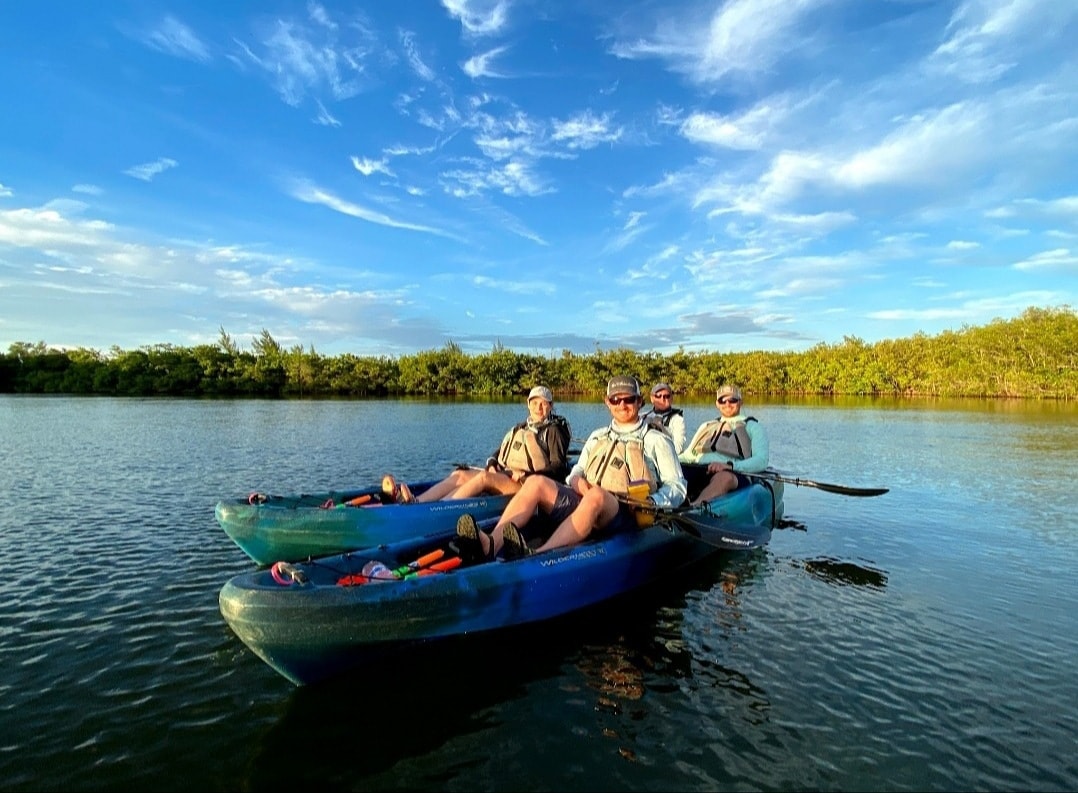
<point x="842" y="490"/>
<point x="700" y="523"/>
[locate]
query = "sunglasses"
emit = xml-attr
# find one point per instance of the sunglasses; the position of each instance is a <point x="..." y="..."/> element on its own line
<point x="625" y="400"/>
<point x="663" y="396"/>
<point x="727" y="400"/>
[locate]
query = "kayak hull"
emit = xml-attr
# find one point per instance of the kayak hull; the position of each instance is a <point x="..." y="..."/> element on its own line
<point x="291" y="528"/>
<point x="314" y="619"/>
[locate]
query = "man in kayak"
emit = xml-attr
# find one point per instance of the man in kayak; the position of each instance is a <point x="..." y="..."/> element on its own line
<point x="627" y="458"/>
<point x="537" y="445"/>
<point x="663" y="411"/>
<point x="724" y="449"/>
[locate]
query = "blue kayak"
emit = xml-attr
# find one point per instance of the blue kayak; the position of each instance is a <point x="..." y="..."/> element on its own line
<point x="272" y="528"/>
<point x="313" y="619"/>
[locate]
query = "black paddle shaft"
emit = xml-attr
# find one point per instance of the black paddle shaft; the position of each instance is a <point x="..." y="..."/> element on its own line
<point x="842" y="490"/>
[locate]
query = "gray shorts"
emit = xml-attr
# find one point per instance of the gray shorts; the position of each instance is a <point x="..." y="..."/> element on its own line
<point x="697" y="477"/>
<point x="565" y="503"/>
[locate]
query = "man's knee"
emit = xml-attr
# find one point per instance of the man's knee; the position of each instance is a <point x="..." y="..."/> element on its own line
<point x="538" y="483"/>
<point x="595" y="497"/>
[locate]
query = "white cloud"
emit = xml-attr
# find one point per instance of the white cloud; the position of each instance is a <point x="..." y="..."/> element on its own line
<point x="480" y="65"/>
<point x="479" y="17"/>
<point x="310" y="194"/>
<point x="324" y="117"/>
<point x="411" y="52"/>
<point x="147" y="171"/>
<point x="1058" y="259"/>
<point x="746" y="36"/>
<point x="368" y="166"/>
<point x="585" y="131"/>
<point x="175" y="38"/>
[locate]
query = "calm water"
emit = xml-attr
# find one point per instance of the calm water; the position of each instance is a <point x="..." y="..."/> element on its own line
<point x="922" y="640"/>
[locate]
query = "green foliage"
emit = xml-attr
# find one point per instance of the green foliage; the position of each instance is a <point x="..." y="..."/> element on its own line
<point x="1033" y="356"/>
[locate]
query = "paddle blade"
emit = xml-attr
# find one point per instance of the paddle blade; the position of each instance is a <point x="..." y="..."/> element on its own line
<point x="719" y="532"/>
<point x="842" y="490"/>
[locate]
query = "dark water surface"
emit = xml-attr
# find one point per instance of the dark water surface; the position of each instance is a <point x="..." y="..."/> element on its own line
<point x="922" y="640"/>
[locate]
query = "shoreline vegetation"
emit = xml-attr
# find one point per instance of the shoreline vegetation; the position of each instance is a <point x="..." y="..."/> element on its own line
<point x="1033" y="356"/>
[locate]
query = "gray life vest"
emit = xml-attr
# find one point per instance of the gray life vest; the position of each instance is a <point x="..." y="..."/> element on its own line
<point x="717" y="436"/>
<point x="661" y="421"/>
<point x="527" y="450"/>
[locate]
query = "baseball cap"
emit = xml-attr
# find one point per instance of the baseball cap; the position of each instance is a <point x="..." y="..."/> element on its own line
<point x="622" y="385"/>
<point x="728" y="390"/>
<point x="659" y="387"/>
<point x="541" y="391"/>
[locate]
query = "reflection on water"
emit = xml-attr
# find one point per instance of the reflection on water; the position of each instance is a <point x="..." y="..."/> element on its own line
<point x="834" y="571"/>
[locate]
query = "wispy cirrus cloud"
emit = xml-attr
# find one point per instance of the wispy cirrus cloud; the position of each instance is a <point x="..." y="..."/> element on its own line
<point x="147" y="171"/>
<point x="367" y="166"/>
<point x="173" y="37"/>
<point x="741" y="36"/>
<point x="311" y="194"/>
<point x="481" y="65"/>
<point x="479" y="17"/>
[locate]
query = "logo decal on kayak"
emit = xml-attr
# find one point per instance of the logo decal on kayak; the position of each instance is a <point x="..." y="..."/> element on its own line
<point x="575" y="556"/>
<point x="459" y="506"/>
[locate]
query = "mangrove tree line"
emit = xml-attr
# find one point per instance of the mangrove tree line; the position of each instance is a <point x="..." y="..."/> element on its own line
<point x="1032" y="356"/>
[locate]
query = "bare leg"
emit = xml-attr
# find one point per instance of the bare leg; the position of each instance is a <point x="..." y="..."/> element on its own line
<point x="440" y="490"/>
<point x="537" y="492"/>
<point x="721" y="483"/>
<point x="486" y="482"/>
<point x="597" y="508"/>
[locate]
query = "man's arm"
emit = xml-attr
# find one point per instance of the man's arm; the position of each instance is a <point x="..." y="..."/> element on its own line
<point x="673" y="488"/>
<point x="760" y="451"/>
<point x="677" y="429"/>
<point x="582" y="459"/>
<point x="557" y="444"/>
<point x="686" y="455"/>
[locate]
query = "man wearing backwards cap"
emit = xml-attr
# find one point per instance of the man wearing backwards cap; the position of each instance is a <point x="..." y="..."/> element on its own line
<point x="628" y="451"/>
<point x="537" y="445"/>
<point x="724" y="449"/>
<point x="663" y="410"/>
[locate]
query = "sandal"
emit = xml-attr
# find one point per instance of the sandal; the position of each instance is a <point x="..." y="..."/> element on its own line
<point x="514" y="546"/>
<point x="469" y="542"/>
<point x="399" y="493"/>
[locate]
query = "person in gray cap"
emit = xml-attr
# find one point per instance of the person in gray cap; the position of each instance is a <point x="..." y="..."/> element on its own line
<point x="663" y="411"/>
<point x="627" y="456"/>
<point x="724" y="449"/>
<point x="537" y="445"/>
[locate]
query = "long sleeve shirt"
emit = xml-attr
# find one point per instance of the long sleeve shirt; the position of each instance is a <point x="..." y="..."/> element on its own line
<point x="674" y="422"/>
<point x="659" y="456"/>
<point x="754" y="463"/>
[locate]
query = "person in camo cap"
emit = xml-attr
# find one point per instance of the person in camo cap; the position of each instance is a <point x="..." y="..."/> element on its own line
<point x="663" y="411"/>
<point x="628" y="452"/>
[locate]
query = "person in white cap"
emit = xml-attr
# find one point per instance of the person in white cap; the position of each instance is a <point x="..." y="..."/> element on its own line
<point x="724" y="449"/>
<point x="615" y="461"/>
<point x="663" y="411"/>
<point x="537" y="445"/>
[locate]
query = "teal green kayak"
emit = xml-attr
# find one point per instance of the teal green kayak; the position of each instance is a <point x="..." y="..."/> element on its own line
<point x="271" y="528"/>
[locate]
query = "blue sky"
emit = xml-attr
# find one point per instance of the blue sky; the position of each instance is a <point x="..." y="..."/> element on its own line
<point x="382" y="178"/>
